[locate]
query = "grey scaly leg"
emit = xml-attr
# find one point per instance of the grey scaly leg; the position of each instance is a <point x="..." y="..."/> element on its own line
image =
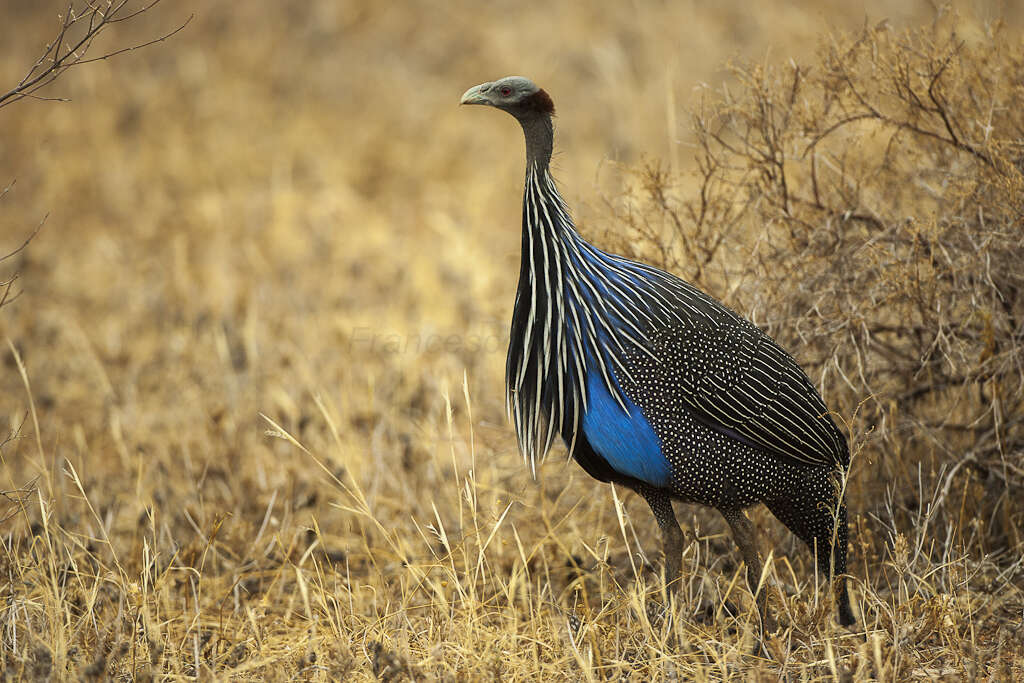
<point x="745" y="535"/>
<point x="671" y="534"/>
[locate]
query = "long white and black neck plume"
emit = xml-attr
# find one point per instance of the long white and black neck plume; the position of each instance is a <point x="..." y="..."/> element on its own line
<point x="577" y="312"/>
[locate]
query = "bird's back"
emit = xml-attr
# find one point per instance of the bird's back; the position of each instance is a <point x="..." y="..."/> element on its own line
<point x="727" y="373"/>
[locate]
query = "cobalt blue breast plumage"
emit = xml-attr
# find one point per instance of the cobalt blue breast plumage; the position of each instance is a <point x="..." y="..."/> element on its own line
<point x="655" y="385"/>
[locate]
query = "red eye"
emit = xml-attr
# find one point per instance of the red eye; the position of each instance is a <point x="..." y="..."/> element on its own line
<point x="506" y="91"/>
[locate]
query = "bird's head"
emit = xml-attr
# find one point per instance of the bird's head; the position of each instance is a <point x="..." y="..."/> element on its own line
<point x="517" y="95"/>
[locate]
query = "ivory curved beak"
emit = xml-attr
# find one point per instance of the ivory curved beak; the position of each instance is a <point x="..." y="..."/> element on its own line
<point x="476" y="95"/>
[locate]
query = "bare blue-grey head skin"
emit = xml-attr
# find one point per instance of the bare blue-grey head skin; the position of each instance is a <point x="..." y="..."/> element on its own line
<point x="529" y="104"/>
<point x="510" y="93"/>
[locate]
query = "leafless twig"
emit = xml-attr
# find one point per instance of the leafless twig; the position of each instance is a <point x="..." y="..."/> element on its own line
<point x="79" y="27"/>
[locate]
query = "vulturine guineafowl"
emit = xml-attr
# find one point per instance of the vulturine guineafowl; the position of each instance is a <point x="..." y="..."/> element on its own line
<point x="655" y="385"/>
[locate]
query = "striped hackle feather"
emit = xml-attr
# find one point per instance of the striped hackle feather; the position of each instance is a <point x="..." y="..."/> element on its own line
<point x="580" y="311"/>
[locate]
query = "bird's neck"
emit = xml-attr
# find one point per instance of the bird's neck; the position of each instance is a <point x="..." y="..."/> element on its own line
<point x="546" y="218"/>
<point x="540" y="140"/>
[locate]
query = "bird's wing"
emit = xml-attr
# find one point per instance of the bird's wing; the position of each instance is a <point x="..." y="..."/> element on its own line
<point x="733" y="377"/>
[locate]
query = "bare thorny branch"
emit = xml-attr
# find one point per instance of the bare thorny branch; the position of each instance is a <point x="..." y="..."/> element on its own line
<point x="79" y="26"/>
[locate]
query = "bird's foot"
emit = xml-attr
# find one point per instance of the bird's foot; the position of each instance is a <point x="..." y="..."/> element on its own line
<point x="768" y="627"/>
<point x="658" y="612"/>
<point x="708" y="610"/>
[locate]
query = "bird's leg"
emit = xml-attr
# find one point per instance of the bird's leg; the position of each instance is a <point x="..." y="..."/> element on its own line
<point x="671" y="535"/>
<point x="745" y="535"/>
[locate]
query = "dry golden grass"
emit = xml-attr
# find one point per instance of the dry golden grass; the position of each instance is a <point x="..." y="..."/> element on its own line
<point x="254" y="378"/>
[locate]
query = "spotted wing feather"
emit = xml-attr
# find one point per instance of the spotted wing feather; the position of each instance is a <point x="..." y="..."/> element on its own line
<point x="736" y="379"/>
<point x="733" y="377"/>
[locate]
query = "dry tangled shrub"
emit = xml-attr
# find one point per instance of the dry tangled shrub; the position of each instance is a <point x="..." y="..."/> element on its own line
<point x="873" y="206"/>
